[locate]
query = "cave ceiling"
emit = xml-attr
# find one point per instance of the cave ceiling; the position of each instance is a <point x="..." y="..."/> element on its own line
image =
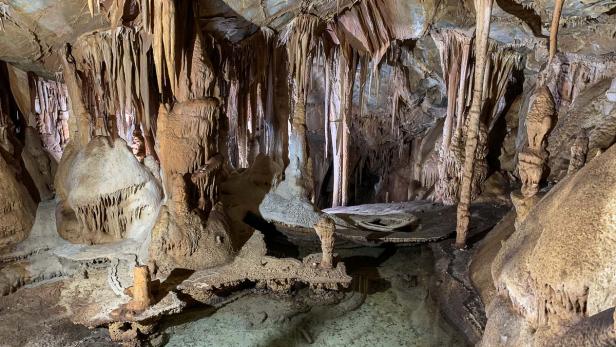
<point x="32" y="31"/>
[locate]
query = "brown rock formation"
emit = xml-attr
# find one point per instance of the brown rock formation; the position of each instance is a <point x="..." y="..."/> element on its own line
<point x="182" y="238"/>
<point x="530" y="166"/>
<point x="141" y="291"/>
<point x="326" y="229"/>
<point x="188" y="140"/>
<point x="539" y="119"/>
<point x="16" y="208"/>
<point x="108" y="206"/>
<point x="579" y="150"/>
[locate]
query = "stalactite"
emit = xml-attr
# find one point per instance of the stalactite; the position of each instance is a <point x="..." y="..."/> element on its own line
<point x="159" y="20"/>
<point x="108" y="213"/>
<point x="250" y="70"/>
<point x="341" y="64"/>
<point x="50" y="106"/>
<point x="456" y="54"/>
<point x="484" y="12"/>
<point x="94" y="6"/>
<point x="204" y="179"/>
<point x="115" y="69"/>
<point x="558" y="7"/>
<point x="80" y="124"/>
<point x="300" y="37"/>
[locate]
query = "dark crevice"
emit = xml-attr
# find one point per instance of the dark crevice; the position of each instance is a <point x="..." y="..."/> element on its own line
<point x="527" y="15"/>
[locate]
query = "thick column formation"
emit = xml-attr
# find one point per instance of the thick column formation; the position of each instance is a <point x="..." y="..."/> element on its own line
<point x="532" y="159"/>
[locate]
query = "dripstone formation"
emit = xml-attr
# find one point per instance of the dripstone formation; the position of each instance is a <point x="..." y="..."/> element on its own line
<point x="293" y="169"/>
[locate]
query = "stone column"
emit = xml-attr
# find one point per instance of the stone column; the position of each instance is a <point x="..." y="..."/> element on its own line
<point x="141" y="290"/>
<point x="532" y="159"/>
<point x="326" y="229"/>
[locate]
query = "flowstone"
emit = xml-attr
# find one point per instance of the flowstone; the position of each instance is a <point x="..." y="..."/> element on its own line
<point x="557" y="269"/>
<point x="16" y="208"/>
<point x="108" y="192"/>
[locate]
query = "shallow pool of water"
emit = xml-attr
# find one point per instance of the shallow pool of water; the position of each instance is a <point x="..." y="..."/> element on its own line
<point x="389" y="305"/>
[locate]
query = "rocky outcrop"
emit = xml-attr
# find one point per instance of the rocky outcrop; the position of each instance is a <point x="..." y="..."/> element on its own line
<point x="546" y="277"/>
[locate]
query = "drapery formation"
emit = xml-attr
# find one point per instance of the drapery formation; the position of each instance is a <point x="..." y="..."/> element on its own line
<point x="114" y="66"/>
<point x="252" y="69"/>
<point x="458" y="64"/>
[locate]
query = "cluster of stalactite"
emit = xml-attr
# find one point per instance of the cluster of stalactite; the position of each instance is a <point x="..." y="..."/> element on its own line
<point x="457" y="53"/>
<point x="115" y="74"/>
<point x="50" y="106"/>
<point x="108" y="214"/>
<point x="251" y="70"/>
<point x="159" y="20"/>
<point x="560" y="304"/>
<point x="44" y="105"/>
<point x="359" y="39"/>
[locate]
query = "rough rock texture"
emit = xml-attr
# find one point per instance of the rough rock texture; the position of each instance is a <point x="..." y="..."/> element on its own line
<point x="16" y="208"/>
<point x="38" y="164"/>
<point x="111" y="194"/>
<point x="190" y="128"/>
<point x="548" y="280"/>
<point x="326" y="229"/>
<point x="40" y="320"/>
<point x="277" y="274"/>
<point x="182" y="238"/>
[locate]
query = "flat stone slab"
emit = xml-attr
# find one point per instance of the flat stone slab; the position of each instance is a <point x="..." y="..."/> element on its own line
<point x="435" y="222"/>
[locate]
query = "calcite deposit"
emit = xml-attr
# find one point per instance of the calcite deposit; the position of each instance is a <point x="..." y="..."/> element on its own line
<point x="161" y="160"/>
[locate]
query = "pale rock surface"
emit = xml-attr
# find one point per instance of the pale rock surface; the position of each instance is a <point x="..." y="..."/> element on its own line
<point x="112" y="195"/>
<point x="558" y="267"/>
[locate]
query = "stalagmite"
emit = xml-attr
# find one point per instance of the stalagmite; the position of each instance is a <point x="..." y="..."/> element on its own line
<point x="539" y="119"/>
<point x="326" y="229"/>
<point x="300" y="38"/>
<point x="579" y="150"/>
<point x="531" y="161"/>
<point x="483" y="10"/>
<point x="530" y="166"/>
<point x="141" y="291"/>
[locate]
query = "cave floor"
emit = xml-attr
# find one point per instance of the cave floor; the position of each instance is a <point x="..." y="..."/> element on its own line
<point x="389" y="304"/>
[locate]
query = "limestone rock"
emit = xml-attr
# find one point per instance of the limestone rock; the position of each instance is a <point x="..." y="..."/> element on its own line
<point x="16" y="208"/>
<point x="183" y="239"/>
<point x="558" y="267"/>
<point x="111" y="194"/>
